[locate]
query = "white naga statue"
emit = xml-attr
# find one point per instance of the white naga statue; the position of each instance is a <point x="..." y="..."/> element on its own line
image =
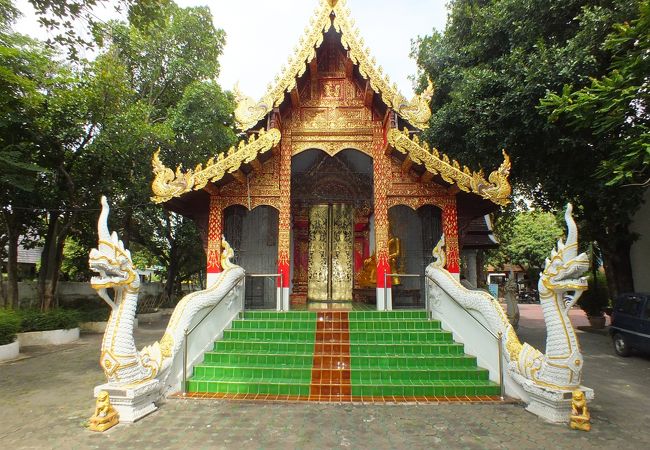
<point x="123" y="364"/>
<point x="560" y="285"/>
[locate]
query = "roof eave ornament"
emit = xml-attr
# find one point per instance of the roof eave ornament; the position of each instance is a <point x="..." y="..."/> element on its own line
<point x="496" y="188"/>
<point x="168" y="184"/>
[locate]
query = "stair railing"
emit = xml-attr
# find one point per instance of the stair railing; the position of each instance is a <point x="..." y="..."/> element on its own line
<point x="498" y="336"/>
<point x="403" y="275"/>
<point x="278" y="298"/>
<point x="189" y="331"/>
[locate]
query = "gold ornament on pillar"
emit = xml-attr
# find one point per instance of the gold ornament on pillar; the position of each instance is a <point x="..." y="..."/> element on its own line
<point x="395" y="257"/>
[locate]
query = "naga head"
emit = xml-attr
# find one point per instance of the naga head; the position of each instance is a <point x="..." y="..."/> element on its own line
<point x="110" y="260"/>
<point x="565" y="269"/>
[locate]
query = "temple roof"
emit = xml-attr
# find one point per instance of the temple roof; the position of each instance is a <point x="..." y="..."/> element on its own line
<point x="496" y="188"/>
<point x="333" y="13"/>
<point x="168" y="184"/>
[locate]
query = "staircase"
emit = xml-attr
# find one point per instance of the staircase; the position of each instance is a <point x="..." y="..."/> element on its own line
<point x="340" y="356"/>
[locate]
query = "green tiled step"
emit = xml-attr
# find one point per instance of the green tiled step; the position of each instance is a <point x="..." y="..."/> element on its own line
<point x="429" y="389"/>
<point x="270" y="386"/>
<point x="385" y="315"/>
<point x="387" y="337"/>
<point x="273" y="348"/>
<point x="413" y="362"/>
<point x="275" y="315"/>
<point x="374" y="349"/>
<point x="396" y="325"/>
<point x="268" y="335"/>
<point x="256" y="374"/>
<point x="381" y="376"/>
<point x="258" y="360"/>
<point x="277" y="325"/>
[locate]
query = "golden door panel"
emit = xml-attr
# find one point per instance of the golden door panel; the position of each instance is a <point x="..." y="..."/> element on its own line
<point x="330" y="273"/>
<point x="341" y="252"/>
<point x="318" y="274"/>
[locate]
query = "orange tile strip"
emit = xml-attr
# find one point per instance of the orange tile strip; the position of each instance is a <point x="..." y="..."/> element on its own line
<point x="330" y="376"/>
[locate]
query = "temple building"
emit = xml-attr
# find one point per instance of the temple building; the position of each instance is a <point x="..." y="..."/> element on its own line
<point x="331" y="189"/>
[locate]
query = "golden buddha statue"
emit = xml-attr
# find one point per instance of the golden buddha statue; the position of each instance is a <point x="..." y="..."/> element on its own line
<point x="368" y="274"/>
<point x="105" y="416"/>
<point x="580" y="417"/>
<point x="395" y="257"/>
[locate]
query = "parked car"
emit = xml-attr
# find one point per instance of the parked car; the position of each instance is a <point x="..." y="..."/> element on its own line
<point x="631" y="323"/>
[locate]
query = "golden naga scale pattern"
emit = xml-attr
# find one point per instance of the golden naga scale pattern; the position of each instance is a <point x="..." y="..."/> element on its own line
<point x="416" y="111"/>
<point x="496" y="188"/>
<point x="168" y="184"/>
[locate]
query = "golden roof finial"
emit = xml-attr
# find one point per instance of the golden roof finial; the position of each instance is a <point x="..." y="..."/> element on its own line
<point x="332" y="3"/>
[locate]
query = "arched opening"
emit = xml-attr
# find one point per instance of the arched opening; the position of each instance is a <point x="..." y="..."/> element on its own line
<point x="332" y="201"/>
<point x="254" y="237"/>
<point x="413" y="235"/>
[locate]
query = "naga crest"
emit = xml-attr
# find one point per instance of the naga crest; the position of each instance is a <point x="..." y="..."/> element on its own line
<point x="563" y="272"/>
<point x="110" y="260"/>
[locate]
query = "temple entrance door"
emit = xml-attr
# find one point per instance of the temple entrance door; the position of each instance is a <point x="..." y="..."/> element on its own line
<point x="331" y="240"/>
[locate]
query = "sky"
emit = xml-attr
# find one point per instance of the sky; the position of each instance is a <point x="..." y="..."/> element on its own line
<point x="261" y="34"/>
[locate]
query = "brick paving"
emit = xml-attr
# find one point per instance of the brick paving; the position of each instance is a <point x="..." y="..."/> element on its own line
<point x="47" y="396"/>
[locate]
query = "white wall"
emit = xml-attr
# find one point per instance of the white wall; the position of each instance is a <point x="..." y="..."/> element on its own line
<point x="640" y="253"/>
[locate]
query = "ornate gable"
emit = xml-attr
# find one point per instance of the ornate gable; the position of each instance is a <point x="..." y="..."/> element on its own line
<point x="333" y="14"/>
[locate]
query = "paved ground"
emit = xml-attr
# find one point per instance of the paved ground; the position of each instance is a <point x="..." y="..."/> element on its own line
<point x="46" y="397"/>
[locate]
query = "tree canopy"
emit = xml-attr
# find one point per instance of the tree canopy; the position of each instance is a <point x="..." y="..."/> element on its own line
<point x="491" y="67"/>
<point x="76" y="130"/>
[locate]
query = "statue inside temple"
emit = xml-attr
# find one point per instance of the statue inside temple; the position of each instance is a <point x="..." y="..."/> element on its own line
<point x="395" y="257"/>
<point x="368" y="274"/>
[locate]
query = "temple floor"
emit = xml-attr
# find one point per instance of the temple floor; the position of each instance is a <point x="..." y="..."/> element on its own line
<point x="352" y="355"/>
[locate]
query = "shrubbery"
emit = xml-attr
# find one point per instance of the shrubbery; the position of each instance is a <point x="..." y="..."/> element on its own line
<point x="9" y="326"/>
<point x="54" y="319"/>
<point x="594" y="301"/>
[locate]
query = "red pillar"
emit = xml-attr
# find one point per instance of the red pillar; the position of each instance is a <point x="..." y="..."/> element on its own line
<point x="215" y="232"/>
<point x="450" y="230"/>
<point x="284" y="228"/>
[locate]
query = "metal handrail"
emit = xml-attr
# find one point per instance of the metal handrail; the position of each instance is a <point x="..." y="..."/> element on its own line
<point x="188" y="332"/>
<point x="280" y="298"/>
<point x="404" y="275"/>
<point x="498" y="336"/>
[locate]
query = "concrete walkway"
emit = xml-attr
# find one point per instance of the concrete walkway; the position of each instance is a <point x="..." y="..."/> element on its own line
<point x="46" y="397"/>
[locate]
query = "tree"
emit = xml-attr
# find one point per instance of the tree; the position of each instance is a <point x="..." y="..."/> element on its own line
<point x="494" y="62"/>
<point x="62" y="18"/>
<point x="527" y="239"/>
<point x="615" y="108"/>
<point x="25" y="71"/>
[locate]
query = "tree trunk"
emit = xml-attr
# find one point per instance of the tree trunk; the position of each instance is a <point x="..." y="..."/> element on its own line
<point x="172" y="274"/>
<point x="618" y="267"/>
<point x="51" y="259"/>
<point x="12" y="262"/>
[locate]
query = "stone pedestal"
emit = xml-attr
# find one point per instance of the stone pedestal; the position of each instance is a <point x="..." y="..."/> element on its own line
<point x="132" y="402"/>
<point x="552" y="405"/>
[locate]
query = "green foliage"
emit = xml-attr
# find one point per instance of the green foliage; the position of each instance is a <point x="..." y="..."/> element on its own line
<point x="616" y="106"/>
<point x="9" y="326"/>
<point x="527" y="239"/>
<point x="74" y="266"/>
<point x="54" y="319"/>
<point x="494" y="62"/>
<point x="594" y="301"/>
<point x="95" y="315"/>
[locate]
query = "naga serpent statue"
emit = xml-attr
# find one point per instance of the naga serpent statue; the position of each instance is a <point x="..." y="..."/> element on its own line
<point x="123" y="364"/>
<point x="560" y="285"/>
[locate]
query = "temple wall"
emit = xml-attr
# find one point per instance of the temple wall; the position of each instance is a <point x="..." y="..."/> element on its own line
<point x="640" y="252"/>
